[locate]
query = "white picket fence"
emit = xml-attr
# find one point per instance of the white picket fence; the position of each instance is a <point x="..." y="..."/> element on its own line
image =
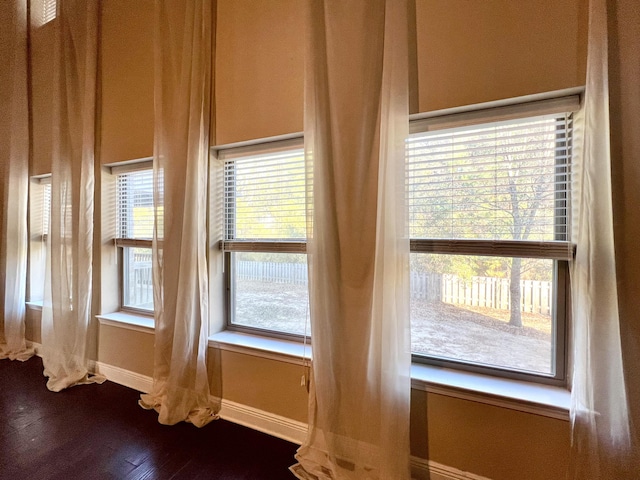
<point x="274" y="272"/>
<point x="489" y="292"/>
<point x="536" y="296"/>
<point x="140" y="284"/>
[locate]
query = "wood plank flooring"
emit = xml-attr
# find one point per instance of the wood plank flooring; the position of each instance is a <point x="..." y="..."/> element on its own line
<point x="100" y="432"/>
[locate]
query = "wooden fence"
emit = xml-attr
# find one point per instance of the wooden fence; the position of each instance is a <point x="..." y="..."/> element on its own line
<point x="274" y="272"/>
<point x="140" y="291"/>
<point x="489" y="292"/>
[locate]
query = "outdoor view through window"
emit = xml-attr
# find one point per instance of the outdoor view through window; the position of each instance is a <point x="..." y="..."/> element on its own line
<point x="484" y="204"/>
<point x="492" y="183"/>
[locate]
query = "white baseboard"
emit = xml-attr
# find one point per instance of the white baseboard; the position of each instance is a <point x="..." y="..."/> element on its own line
<point x="422" y="469"/>
<point x="270" y="423"/>
<point x="275" y="425"/>
<point x="142" y="383"/>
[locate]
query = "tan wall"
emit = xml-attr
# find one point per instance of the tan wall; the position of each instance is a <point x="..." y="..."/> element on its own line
<point x="265" y="384"/>
<point x="259" y="69"/>
<point x="127" y="349"/>
<point x="42" y="41"/>
<point x="32" y="331"/>
<point x="466" y="52"/>
<point x="508" y="49"/>
<point x="490" y="441"/>
<point x="127" y="80"/>
<point x="477" y="51"/>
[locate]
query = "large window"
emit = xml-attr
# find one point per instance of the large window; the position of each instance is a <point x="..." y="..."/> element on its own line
<point x="264" y="238"/>
<point x="134" y="237"/>
<point x="488" y="207"/>
<point x="488" y="201"/>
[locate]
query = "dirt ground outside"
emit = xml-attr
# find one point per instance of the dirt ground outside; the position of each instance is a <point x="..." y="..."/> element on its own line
<point x="474" y="334"/>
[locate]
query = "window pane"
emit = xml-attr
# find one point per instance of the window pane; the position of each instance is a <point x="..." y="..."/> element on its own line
<point x="138" y="279"/>
<point x="269" y="291"/>
<point x="463" y="308"/>
<point x="500" y="181"/>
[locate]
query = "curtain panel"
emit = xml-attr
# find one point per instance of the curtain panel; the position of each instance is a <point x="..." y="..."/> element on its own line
<point x="183" y="56"/>
<point x="66" y="312"/>
<point x="14" y="164"/>
<point x="606" y="271"/>
<point x="356" y="123"/>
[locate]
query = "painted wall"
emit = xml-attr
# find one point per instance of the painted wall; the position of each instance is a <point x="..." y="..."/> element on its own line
<point x="42" y="38"/>
<point x="478" y="51"/>
<point x="466" y="52"/>
<point x="259" y="69"/>
<point x="126" y="80"/>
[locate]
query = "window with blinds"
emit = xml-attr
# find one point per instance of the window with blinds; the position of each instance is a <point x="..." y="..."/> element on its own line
<point x="39" y="224"/>
<point x="264" y="237"/>
<point x="46" y="208"/>
<point x="488" y="211"/>
<point x="134" y="225"/>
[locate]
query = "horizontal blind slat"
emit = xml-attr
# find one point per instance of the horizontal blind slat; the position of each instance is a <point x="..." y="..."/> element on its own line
<point x="265" y="197"/>
<point x="506" y="180"/>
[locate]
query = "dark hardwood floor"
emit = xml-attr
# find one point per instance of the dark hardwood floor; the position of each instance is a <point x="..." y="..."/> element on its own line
<point x="100" y="432"/>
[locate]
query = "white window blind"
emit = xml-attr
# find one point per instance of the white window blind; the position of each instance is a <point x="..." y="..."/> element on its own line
<point x="500" y="181"/>
<point x="46" y="208"/>
<point x="264" y="196"/>
<point x="48" y="10"/>
<point x="134" y="191"/>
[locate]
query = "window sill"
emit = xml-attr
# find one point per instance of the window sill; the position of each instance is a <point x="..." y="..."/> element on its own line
<point x="267" y="347"/>
<point x="130" y="321"/>
<point x="537" y="399"/>
<point x="34" y="305"/>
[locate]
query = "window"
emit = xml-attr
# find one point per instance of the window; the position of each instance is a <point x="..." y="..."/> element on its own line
<point x="488" y="208"/>
<point x="134" y="198"/>
<point x="39" y="220"/>
<point x="488" y="195"/>
<point x="264" y="238"/>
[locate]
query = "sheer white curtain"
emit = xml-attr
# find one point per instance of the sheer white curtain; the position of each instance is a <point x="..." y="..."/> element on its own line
<point x="14" y="158"/>
<point x="66" y="312"/>
<point x="356" y="123"/>
<point x="183" y="56"/>
<point x="605" y="379"/>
